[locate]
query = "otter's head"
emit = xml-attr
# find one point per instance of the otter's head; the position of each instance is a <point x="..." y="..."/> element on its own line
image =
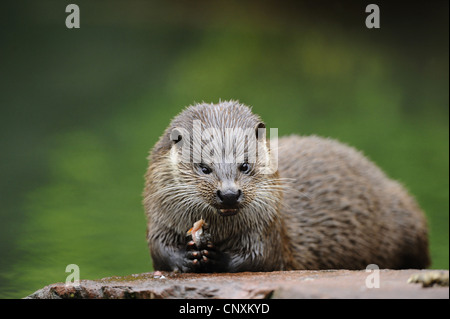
<point x="214" y="160"/>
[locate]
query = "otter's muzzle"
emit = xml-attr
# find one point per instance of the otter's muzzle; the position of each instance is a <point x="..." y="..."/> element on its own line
<point x="228" y="200"/>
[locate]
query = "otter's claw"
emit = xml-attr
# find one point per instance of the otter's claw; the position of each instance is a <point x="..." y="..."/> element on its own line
<point x="200" y="259"/>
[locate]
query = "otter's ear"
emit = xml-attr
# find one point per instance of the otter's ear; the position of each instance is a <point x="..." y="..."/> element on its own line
<point x="175" y="136"/>
<point x="260" y="130"/>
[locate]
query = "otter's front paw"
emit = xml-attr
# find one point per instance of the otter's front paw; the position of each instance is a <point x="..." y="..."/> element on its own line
<point x="200" y="258"/>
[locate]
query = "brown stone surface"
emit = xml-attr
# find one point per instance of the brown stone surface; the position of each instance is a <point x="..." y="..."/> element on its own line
<point x="280" y="284"/>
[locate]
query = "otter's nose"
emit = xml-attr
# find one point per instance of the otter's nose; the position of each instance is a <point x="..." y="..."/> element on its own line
<point x="229" y="197"/>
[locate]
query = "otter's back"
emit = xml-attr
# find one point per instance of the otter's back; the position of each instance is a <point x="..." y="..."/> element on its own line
<point x="342" y="211"/>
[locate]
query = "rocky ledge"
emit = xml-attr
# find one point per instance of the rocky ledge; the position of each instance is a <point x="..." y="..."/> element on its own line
<point x="279" y="284"/>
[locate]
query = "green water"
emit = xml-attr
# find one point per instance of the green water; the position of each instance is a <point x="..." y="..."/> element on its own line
<point x="80" y="109"/>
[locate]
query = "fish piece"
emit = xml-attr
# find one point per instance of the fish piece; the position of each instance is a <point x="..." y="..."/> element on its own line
<point x="196" y="231"/>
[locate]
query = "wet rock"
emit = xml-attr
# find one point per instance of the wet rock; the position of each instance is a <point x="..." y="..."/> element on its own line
<point x="247" y="285"/>
<point x="431" y="278"/>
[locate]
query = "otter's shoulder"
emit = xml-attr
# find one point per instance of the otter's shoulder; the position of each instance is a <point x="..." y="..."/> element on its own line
<point x="325" y="155"/>
<point x="314" y="145"/>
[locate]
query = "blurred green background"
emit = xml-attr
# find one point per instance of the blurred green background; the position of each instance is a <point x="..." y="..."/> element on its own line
<point x="81" y="108"/>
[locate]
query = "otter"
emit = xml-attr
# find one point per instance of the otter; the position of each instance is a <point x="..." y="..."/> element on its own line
<point x="324" y="206"/>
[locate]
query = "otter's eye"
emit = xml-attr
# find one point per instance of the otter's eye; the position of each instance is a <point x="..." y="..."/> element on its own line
<point x="205" y="169"/>
<point x="244" y="168"/>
